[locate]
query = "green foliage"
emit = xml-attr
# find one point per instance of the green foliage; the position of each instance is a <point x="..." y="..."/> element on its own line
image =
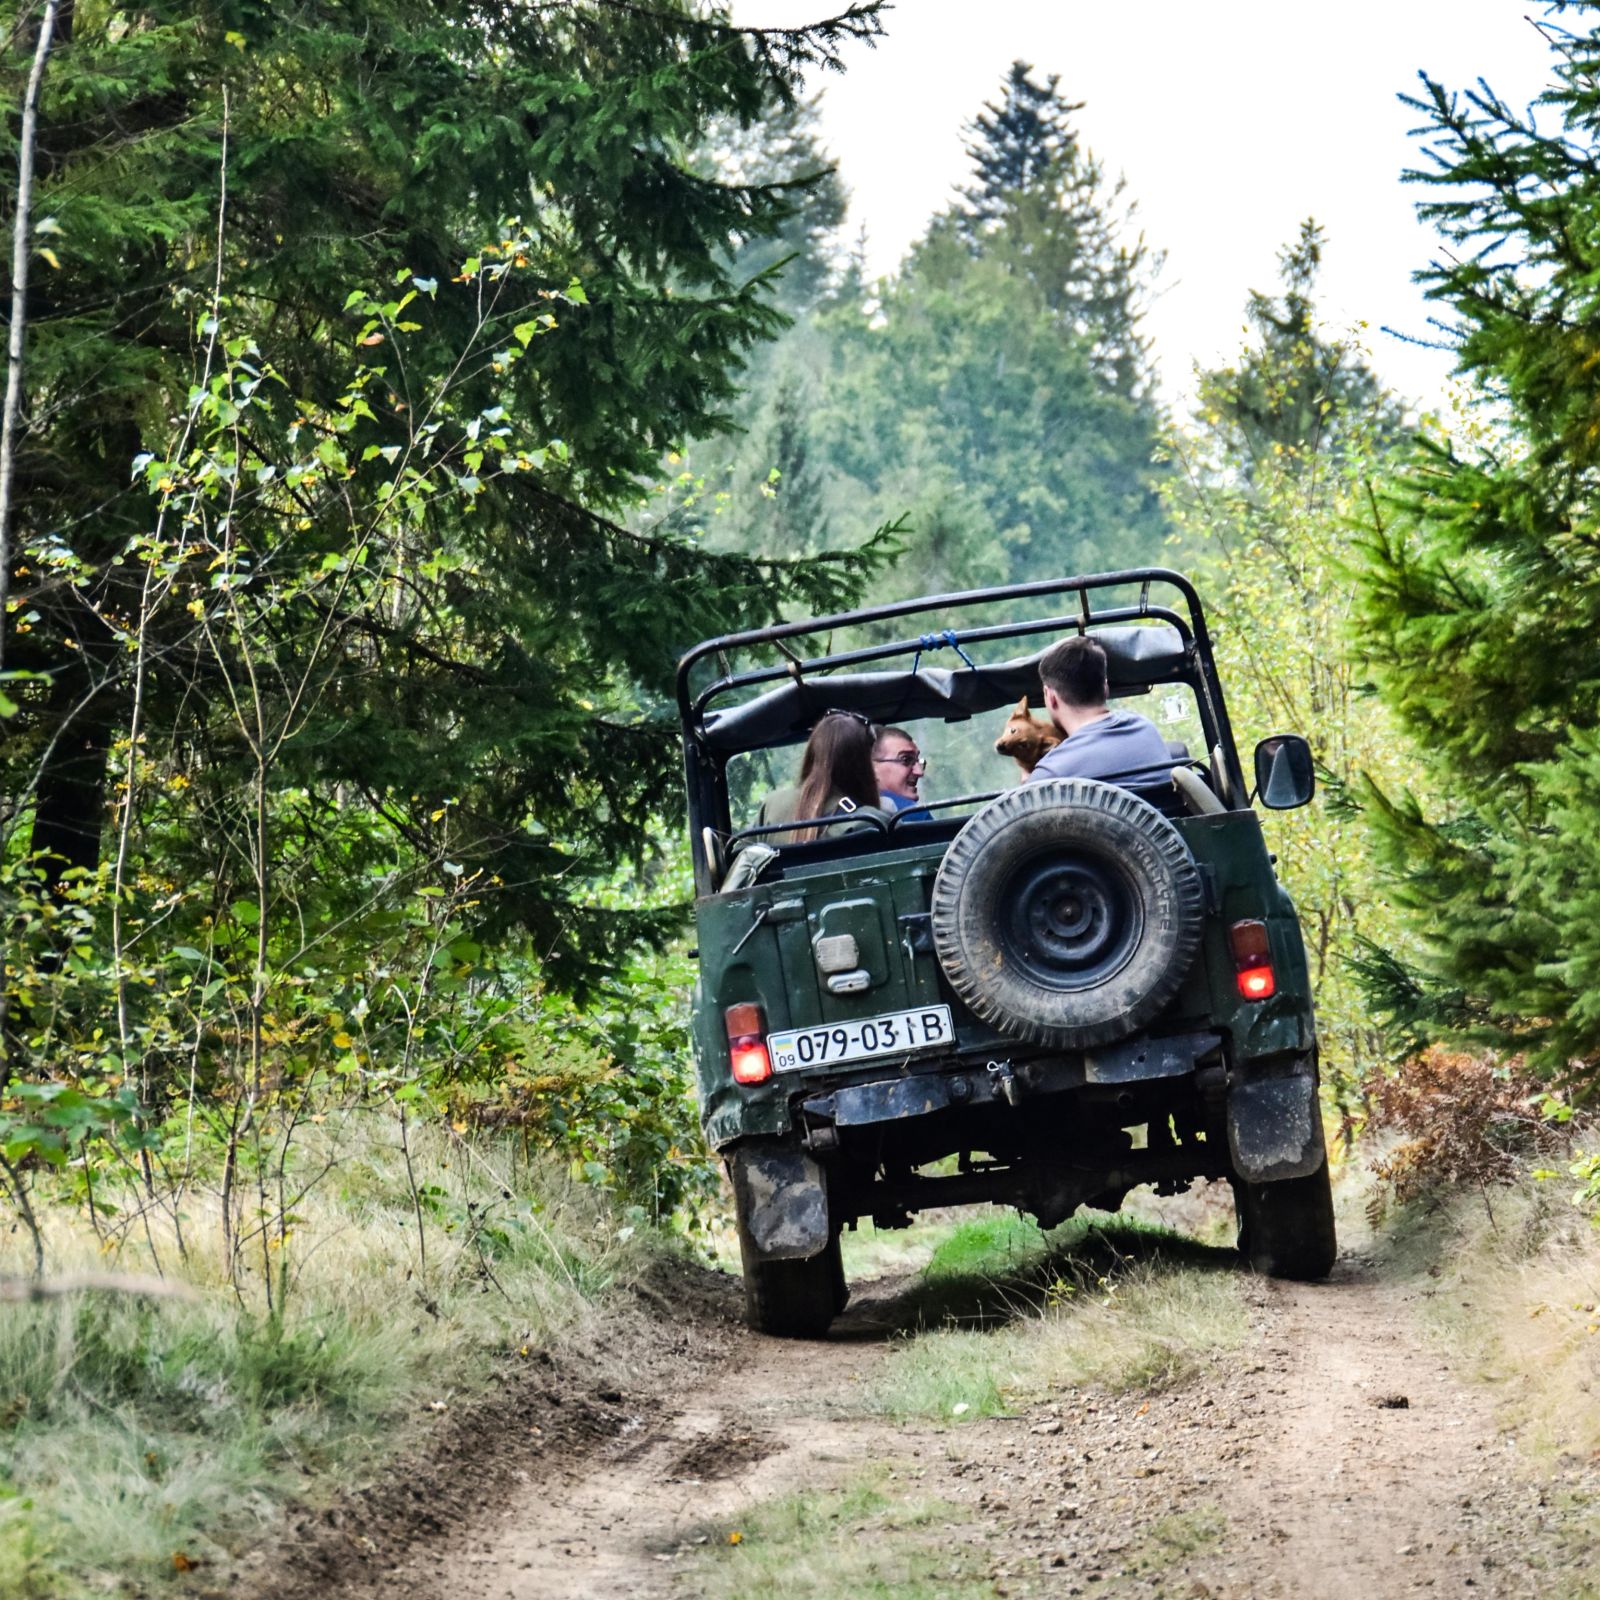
<point x="522" y="625"/>
<point x="608" y="1086"/>
<point x="337" y="744"/>
<point x="1272" y="497"/>
<point x="1586" y="1170"/>
<point x="1480" y="603"/>
<point x="798" y="262"/>
<point x="996" y="391"/>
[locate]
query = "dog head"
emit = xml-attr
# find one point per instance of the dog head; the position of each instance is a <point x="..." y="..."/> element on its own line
<point x="1025" y="739"/>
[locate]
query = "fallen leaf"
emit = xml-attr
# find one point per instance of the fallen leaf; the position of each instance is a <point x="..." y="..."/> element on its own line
<point x="735" y="1537"/>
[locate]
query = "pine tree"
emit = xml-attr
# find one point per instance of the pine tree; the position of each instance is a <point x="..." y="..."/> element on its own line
<point x="361" y="145"/>
<point x="1481" y="603"/>
<point x="1295" y="389"/>
<point x="1042" y="204"/>
<point x="1015" y="143"/>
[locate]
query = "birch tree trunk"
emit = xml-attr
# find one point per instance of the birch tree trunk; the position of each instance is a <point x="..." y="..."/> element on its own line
<point x="19" y="302"/>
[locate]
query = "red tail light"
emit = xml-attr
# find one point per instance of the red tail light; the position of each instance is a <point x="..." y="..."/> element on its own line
<point x="747" y="1043"/>
<point x="1258" y="983"/>
<point x="1252" y="960"/>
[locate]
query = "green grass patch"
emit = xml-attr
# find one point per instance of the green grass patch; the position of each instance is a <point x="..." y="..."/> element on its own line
<point x="873" y="1252"/>
<point x="1120" y="1305"/>
<point x="999" y="1243"/>
<point x="862" y="1540"/>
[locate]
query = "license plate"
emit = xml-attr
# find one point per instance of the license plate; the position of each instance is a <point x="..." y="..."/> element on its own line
<point x="895" y="1034"/>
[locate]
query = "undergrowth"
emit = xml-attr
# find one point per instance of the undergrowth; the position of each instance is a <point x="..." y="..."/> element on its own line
<point x="1458" y="1120"/>
<point x="142" y="1436"/>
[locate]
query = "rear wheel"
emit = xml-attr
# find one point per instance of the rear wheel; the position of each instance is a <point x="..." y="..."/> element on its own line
<point x="793" y="1299"/>
<point x="1286" y="1228"/>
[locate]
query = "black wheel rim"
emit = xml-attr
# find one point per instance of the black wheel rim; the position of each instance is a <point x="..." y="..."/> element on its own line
<point x="1069" y="920"/>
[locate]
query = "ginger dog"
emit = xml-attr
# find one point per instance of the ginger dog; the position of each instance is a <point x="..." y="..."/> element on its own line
<point x="1025" y="739"/>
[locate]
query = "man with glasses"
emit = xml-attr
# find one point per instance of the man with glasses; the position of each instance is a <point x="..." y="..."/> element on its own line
<point x="899" y="767"/>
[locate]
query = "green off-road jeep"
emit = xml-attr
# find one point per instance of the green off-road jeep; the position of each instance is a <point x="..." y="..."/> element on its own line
<point x="1042" y="994"/>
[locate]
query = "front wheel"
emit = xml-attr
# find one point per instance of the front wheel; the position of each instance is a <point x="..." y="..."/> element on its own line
<point x="793" y="1299"/>
<point x="1286" y="1228"/>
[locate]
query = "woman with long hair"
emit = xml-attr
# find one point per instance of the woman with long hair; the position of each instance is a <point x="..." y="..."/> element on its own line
<point x="836" y="775"/>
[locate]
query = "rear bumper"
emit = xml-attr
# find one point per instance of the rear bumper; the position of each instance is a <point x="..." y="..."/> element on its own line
<point x="1000" y="1081"/>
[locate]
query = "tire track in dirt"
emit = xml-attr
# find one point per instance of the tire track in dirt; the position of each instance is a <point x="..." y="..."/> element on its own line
<point x="767" y="1422"/>
<point x="1295" y="1458"/>
<point x="1289" y="1468"/>
<point x="1375" y="1472"/>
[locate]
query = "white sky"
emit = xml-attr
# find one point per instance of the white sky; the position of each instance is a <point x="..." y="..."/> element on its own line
<point x="1231" y="120"/>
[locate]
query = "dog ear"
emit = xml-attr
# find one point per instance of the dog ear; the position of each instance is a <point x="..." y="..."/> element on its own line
<point x="1022" y="706"/>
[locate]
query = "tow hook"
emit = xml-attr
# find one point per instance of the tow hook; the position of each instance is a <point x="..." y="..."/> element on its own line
<point x="821" y="1137"/>
<point x="1005" y="1081"/>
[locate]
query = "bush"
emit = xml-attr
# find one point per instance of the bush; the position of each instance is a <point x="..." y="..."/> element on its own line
<point x="1464" y="1121"/>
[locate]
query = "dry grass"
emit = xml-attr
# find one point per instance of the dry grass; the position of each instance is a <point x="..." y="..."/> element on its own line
<point x="134" y="1431"/>
<point x="1105" y="1302"/>
<point x="1511" y="1285"/>
<point x="866" y="1540"/>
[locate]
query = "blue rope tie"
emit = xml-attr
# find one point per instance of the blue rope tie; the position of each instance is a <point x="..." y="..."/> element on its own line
<point x="941" y="641"/>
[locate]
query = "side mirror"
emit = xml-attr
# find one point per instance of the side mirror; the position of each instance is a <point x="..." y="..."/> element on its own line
<point x="1285" y="775"/>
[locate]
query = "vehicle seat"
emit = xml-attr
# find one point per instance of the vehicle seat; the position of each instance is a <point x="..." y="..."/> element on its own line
<point x="1195" y="792"/>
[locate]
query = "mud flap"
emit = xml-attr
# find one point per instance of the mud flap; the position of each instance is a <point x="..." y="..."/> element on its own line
<point x="1275" y="1128"/>
<point x="781" y="1200"/>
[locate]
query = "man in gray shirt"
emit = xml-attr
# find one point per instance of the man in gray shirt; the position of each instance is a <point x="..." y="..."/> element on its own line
<point x="1114" y="746"/>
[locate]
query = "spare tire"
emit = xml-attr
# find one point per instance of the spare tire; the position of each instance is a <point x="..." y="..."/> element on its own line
<point x="1067" y="912"/>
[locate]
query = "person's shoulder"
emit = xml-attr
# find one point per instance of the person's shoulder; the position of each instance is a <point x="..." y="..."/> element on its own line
<point x="1057" y="762"/>
<point x="780" y="805"/>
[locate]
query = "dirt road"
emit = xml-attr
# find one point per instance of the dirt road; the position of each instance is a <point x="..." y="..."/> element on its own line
<point x="1330" y="1454"/>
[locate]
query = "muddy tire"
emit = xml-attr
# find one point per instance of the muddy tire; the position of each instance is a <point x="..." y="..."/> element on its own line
<point x="1067" y="913"/>
<point x="1286" y="1228"/>
<point x="793" y="1299"/>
